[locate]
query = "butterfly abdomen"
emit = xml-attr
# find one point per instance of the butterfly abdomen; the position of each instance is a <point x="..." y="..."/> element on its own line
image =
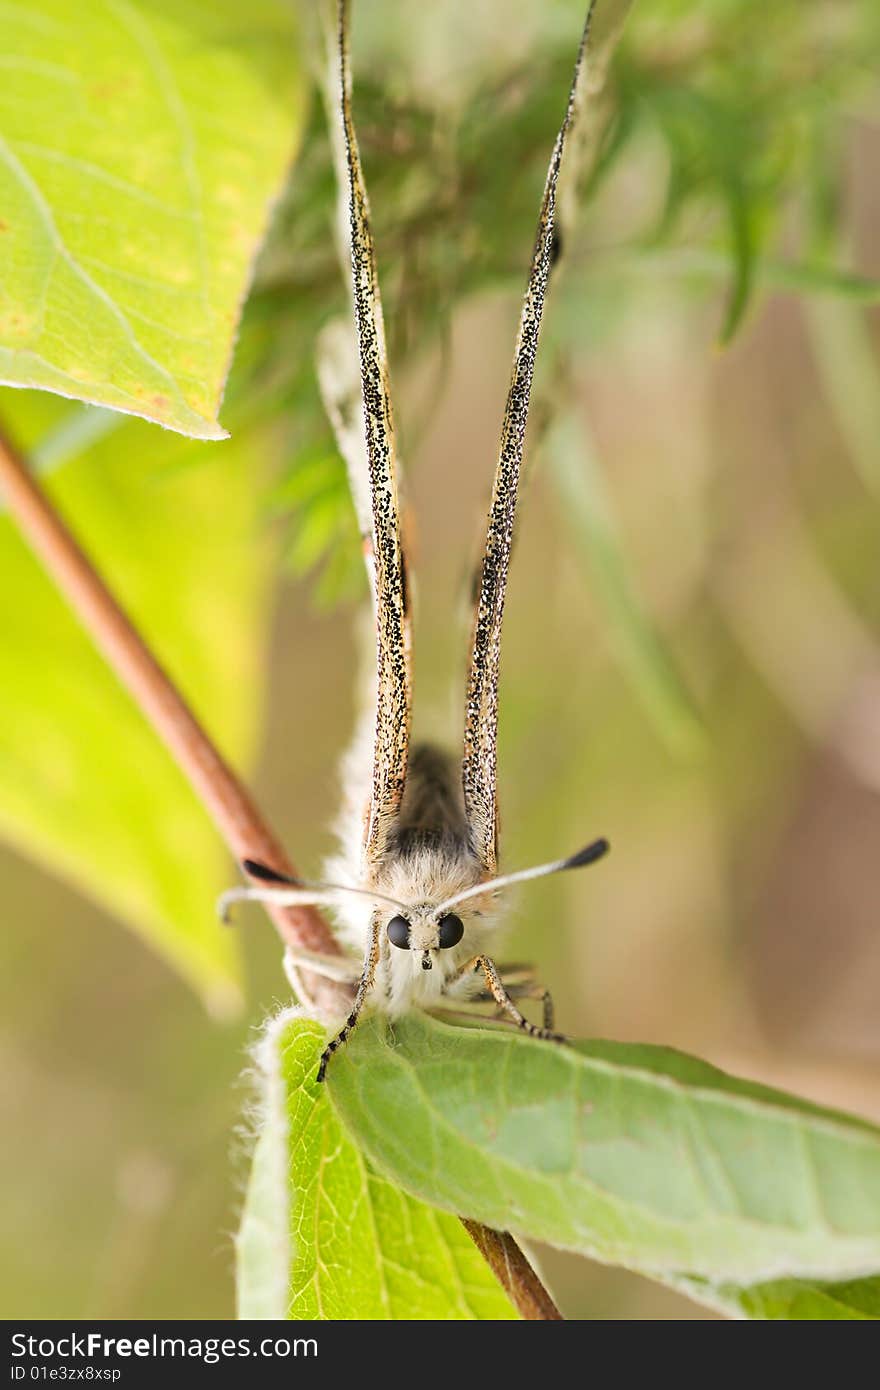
<point x="432" y="813"/>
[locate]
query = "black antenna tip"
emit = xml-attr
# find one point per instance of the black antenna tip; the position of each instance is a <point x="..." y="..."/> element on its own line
<point x="265" y="874"/>
<point x="588" y="855"/>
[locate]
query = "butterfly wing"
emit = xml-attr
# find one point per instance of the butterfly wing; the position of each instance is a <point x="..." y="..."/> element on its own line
<point x="481" y="713"/>
<point x="382" y="544"/>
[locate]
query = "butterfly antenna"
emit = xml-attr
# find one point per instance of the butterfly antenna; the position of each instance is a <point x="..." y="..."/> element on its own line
<point x="597" y="849"/>
<point x="286" y="891"/>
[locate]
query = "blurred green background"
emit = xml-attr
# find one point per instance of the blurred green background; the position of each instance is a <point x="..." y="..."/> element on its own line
<point x="691" y="661"/>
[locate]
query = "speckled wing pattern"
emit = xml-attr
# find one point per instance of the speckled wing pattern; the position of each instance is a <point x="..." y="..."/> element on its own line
<point x="383" y="549"/>
<point x="481" y="713"/>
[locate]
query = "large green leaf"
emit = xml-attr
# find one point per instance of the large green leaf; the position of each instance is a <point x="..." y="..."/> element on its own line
<point x="87" y="788"/>
<point x="142" y="143"/>
<point x="323" y="1235"/>
<point x="635" y="1155"/>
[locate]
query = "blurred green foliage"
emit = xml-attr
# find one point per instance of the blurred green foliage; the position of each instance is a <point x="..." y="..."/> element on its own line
<point x="88" y="788"/>
<point x="719" y="173"/>
<point x="132" y="208"/>
<point x="794" y="1300"/>
<point x="729" y="116"/>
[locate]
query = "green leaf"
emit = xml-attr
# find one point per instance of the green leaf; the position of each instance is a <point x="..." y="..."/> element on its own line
<point x="78" y="430"/>
<point x="797" y="277"/>
<point x="323" y="1235"/>
<point x="584" y="510"/>
<point x="793" y="1300"/>
<point x="142" y="144"/>
<point x="88" y="789"/>
<point x="263" y="1241"/>
<point x="743" y="236"/>
<point x="634" y="1155"/>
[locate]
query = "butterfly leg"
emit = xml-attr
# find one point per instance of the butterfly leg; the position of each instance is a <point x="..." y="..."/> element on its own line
<point x="520" y="982"/>
<point x="341" y="968"/>
<point x="496" y="988"/>
<point x="536" y="991"/>
<point x="469" y="1009"/>
<point x="365" y="984"/>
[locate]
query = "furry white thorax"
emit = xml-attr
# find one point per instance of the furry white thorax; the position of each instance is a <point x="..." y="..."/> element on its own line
<point x="420" y="877"/>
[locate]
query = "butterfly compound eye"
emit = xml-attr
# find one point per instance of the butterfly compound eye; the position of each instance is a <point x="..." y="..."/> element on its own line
<point x="398" y="932"/>
<point x="451" y="931"/>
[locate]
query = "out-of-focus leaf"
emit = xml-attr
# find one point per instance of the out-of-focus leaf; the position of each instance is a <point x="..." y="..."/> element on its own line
<point x="323" y="1234"/>
<point x="68" y="431"/>
<point x="713" y="150"/>
<point x="85" y="785"/>
<point x="724" y="107"/>
<point x="826" y="281"/>
<point x="808" y="279"/>
<point x="634" y="1155"/>
<point x="792" y="1300"/>
<point x="744" y="249"/>
<point x="262" y="1247"/>
<point x="142" y="144"/>
<point x="322" y="533"/>
<point x="81" y="427"/>
<point x="575" y="474"/>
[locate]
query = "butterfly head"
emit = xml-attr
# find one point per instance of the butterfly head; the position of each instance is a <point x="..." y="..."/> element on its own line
<point x="423" y="931"/>
<point x="455" y="903"/>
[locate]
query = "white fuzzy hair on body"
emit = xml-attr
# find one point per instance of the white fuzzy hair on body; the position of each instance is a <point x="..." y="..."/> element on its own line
<point x="428" y="862"/>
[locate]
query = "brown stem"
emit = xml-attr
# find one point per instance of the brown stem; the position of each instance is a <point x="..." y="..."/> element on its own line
<point x="513" y="1271"/>
<point x="225" y="798"/>
<point x="223" y="795"/>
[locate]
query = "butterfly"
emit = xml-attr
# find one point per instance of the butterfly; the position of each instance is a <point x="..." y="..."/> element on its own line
<point x="415" y="888"/>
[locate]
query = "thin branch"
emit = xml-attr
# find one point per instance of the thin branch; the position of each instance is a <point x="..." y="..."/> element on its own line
<point x="213" y="780"/>
<point x="513" y="1271"/>
<point x="215" y="783"/>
